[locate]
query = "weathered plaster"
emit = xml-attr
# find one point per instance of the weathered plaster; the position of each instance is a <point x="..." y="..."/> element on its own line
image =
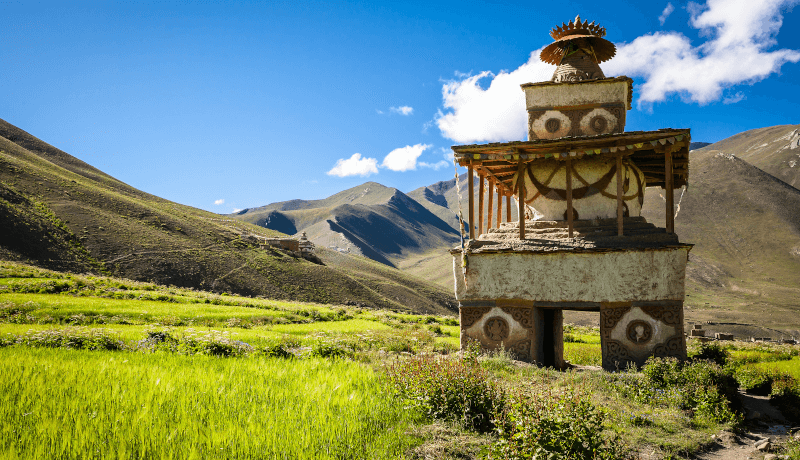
<point x="516" y="331"/>
<point x="573" y="277"/>
<point x="550" y="96"/>
<point x="660" y="331"/>
<point x="593" y="206"/>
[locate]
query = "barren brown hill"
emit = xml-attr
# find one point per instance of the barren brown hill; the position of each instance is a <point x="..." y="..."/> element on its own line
<point x="61" y="213"/>
<point x="745" y="224"/>
<point x="775" y="150"/>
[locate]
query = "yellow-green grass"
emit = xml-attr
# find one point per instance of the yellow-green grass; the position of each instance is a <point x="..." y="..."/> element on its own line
<point x="583" y="354"/>
<point x="741" y="355"/>
<point x="57" y="305"/>
<point x="133" y="333"/>
<point x="791" y="367"/>
<point x="348" y="326"/>
<point x="57" y="403"/>
<point x="256" y="336"/>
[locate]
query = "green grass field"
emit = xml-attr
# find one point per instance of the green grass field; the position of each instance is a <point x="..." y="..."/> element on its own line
<point x="57" y="403"/>
<point x="300" y="381"/>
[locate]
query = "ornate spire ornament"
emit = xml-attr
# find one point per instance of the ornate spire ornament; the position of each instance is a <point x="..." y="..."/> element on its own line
<point x="578" y="47"/>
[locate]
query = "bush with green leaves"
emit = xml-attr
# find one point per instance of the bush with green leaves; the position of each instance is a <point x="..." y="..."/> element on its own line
<point x="448" y="389"/>
<point x="77" y="338"/>
<point x="792" y="449"/>
<point x="330" y="348"/>
<point x="754" y="380"/>
<point x="551" y="425"/>
<point x="713" y="352"/>
<point x="701" y="387"/>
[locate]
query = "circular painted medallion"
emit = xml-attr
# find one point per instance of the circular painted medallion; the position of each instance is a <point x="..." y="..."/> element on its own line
<point x="496" y="329"/>
<point x="639" y="331"/>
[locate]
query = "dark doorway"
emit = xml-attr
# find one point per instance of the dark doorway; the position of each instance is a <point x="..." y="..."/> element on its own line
<point x="548" y="338"/>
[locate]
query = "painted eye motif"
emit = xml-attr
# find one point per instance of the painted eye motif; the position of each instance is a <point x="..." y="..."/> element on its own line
<point x="598" y="121"/>
<point x="598" y="124"/>
<point x="551" y="125"/>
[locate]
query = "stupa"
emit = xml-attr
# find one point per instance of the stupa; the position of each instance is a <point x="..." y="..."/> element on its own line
<point x="583" y="178"/>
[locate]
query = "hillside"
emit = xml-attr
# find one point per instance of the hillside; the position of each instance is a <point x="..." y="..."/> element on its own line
<point x="775" y="150"/>
<point x="61" y="213"/>
<point x="372" y="220"/>
<point x="745" y="225"/>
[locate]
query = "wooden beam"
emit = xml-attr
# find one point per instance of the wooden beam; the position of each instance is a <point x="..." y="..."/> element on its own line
<point x="491" y="175"/>
<point x="490" y="208"/>
<point x="470" y="173"/>
<point x="480" y="203"/>
<point x="569" y="196"/>
<point x="620" y="212"/>
<point x="521" y="198"/>
<point x="508" y="208"/>
<point x="499" y="207"/>
<point x="670" y="190"/>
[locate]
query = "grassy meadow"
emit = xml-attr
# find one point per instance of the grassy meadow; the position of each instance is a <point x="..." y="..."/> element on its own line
<point x="98" y="367"/>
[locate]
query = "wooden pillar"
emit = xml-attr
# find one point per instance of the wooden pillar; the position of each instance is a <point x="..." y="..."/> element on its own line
<point x="508" y="207"/>
<point x="471" y="219"/>
<point x="569" y="196"/>
<point x="669" y="184"/>
<point x="499" y="207"/>
<point x="620" y="212"/>
<point x="480" y="204"/>
<point x="521" y="198"/>
<point x="490" y="207"/>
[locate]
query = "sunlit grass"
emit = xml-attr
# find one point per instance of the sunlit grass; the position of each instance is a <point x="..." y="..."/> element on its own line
<point x="348" y="326"/>
<point x="72" y="404"/>
<point x="791" y="367"/>
<point x="583" y="354"/>
<point x="56" y="305"/>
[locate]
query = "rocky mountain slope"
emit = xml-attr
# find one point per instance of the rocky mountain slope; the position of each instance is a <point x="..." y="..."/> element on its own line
<point x="775" y="150"/>
<point x="61" y="213"/>
<point x="379" y="222"/>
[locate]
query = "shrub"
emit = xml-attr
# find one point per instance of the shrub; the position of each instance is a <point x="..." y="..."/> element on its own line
<point x="754" y="380"/>
<point x="213" y="343"/>
<point x="704" y="388"/>
<point x="448" y="389"/>
<point x="553" y="426"/>
<point x="785" y="395"/>
<point x="158" y="340"/>
<point x="712" y="352"/>
<point x="792" y="449"/>
<point x="329" y="348"/>
<point x="77" y="338"/>
<point x="569" y="338"/>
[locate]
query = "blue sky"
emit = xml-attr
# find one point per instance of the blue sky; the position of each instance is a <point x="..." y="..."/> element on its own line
<point x="224" y="106"/>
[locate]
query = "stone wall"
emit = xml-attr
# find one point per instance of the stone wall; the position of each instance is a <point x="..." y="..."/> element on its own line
<point x="610" y="276"/>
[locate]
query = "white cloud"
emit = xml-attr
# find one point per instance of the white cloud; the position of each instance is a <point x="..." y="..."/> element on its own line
<point x="435" y="166"/>
<point x="734" y="99"/>
<point x="739" y="34"/>
<point x="219" y="202"/>
<point x="497" y="113"/>
<point x="665" y="14"/>
<point x="354" y="166"/>
<point x="402" y="110"/>
<point x="404" y="158"/>
<point x="236" y="209"/>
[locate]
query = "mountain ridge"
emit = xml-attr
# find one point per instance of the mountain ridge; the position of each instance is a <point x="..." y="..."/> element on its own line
<point x="61" y="213"/>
